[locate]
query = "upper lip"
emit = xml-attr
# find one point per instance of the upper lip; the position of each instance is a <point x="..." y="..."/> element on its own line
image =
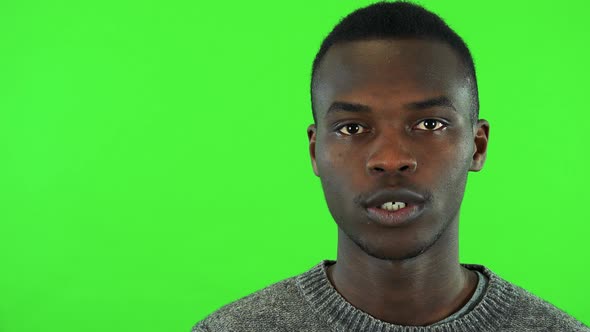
<point x="380" y="197"/>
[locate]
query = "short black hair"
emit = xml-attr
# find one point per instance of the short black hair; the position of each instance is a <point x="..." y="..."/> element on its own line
<point x="397" y="20"/>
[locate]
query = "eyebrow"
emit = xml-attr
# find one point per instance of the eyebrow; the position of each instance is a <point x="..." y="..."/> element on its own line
<point x="339" y="106"/>
<point x="441" y="101"/>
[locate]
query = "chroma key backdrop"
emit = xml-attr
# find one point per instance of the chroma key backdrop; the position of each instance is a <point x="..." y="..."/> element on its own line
<point x="154" y="160"/>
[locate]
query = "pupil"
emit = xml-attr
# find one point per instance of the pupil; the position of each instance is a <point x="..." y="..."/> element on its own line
<point x="430" y="124"/>
<point x="350" y="130"/>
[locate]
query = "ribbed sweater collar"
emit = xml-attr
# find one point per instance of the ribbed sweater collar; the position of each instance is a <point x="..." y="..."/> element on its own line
<point x="487" y="315"/>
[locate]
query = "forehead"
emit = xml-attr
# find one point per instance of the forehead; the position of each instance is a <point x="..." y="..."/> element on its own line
<point x="390" y="71"/>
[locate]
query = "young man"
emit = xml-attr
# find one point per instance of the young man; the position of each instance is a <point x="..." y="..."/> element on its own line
<point x="396" y="130"/>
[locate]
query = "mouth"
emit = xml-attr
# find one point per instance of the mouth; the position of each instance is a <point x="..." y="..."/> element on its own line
<point x="395" y="213"/>
<point x="394" y="206"/>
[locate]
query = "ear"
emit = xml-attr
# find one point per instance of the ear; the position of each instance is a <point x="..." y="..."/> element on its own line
<point x="481" y="145"/>
<point x="311" y="135"/>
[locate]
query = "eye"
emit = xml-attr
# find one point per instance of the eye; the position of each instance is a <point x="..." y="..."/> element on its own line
<point x="431" y="125"/>
<point x="351" y="129"/>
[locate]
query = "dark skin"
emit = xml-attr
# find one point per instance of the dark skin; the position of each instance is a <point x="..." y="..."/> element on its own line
<point x="405" y="106"/>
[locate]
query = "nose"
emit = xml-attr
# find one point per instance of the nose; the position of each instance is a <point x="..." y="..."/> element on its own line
<point x="391" y="156"/>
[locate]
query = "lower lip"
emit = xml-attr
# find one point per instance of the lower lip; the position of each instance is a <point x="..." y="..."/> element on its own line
<point x="395" y="218"/>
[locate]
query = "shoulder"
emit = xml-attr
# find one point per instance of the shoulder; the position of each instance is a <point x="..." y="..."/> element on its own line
<point x="530" y="311"/>
<point x="260" y="311"/>
<point x="535" y="311"/>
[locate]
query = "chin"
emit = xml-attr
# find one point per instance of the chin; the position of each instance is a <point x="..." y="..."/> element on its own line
<point x="398" y="254"/>
<point x="385" y="247"/>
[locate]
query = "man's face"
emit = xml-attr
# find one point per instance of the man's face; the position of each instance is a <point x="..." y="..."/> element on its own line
<point x="399" y="118"/>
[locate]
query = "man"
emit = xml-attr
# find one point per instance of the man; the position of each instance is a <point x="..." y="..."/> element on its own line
<point x="396" y="130"/>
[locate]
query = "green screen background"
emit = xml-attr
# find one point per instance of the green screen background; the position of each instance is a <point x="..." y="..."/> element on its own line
<point x="154" y="159"/>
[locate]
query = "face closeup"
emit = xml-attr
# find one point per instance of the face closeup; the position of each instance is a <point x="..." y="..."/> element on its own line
<point x="393" y="124"/>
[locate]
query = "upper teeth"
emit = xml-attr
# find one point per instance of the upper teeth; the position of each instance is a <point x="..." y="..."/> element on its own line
<point x="393" y="206"/>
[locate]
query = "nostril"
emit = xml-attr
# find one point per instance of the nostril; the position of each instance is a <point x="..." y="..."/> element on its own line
<point x="395" y="166"/>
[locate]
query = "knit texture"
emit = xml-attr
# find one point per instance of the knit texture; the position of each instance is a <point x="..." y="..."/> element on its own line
<point x="309" y="302"/>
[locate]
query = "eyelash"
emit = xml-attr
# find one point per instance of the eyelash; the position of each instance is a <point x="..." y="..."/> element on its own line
<point x="337" y="129"/>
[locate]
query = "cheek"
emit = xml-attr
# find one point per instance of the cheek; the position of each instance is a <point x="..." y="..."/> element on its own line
<point x="342" y="171"/>
<point x="336" y="186"/>
<point x="338" y="169"/>
<point x="450" y="180"/>
<point x="333" y="160"/>
<point x="331" y="168"/>
<point x="450" y="154"/>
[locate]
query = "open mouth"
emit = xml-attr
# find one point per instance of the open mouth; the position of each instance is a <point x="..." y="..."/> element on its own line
<point x="395" y="213"/>
<point x="392" y="206"/>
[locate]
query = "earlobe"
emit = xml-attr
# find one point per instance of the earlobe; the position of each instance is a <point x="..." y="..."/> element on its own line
<point x="481" y="145"/>
<point x="311" y="135"/>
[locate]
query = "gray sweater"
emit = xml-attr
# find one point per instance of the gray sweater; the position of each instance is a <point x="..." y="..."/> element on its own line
<point x="309" y="302"/>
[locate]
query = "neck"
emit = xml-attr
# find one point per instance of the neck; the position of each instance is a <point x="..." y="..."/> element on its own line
<point x="416" y="291"/>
